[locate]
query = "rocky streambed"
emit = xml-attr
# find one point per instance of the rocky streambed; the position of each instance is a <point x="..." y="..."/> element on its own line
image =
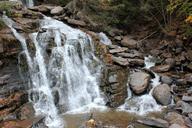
<point x="124" y="78"/>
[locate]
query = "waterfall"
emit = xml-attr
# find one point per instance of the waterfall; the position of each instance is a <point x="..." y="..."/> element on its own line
<point x="65" y="79"/>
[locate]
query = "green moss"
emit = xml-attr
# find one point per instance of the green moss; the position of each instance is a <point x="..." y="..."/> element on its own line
<point x="2" y="24"/>
<point x="7" y="6"/>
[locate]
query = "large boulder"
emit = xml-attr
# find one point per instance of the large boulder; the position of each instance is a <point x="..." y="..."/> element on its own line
<point x="162" y="94"/>
<point x="139" y="82"/>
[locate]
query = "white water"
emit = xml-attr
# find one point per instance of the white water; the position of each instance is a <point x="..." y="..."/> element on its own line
<point x="144" y="104"/>
<point x="27" y="3"/>
<point x="104" y="39"/>
<point x="71" y="70"/>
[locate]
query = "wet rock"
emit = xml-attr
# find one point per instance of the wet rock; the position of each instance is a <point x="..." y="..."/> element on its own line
<point x="161" y="68"/>
<point x="154" y="122"/>
<point x="114" y="84"/>
<point x="121" y="61"/>
<point x="139" y="82"/>
<point x="128" y="42"/>
<point x="57" y="10"/>
<point x="187" y="98"/>
<point x="136" y="62"/>
<point x="166" y="80"/>
<point x="185" y="107"/>
<point x="175" y="118"/>
<point x="162" y="94"/>
<point x="26" y="111"/>
<point x="117" y="50"/>
<point x="76" y="22"/>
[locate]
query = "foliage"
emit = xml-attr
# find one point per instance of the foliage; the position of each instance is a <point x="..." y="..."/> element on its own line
<point x="7" y="6"/>
<point x="182" y="9"/>
<point x="63" y="2"/>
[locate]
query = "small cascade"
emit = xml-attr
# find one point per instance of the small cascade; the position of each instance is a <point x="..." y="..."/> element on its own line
<point x="146" y="103"/>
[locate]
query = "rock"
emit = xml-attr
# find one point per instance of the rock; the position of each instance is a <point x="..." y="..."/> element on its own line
<point x="117" y="50"/>
<point x="162" y="94"/>
<point x="161" y="68"/>
<point x="189" y="55"/>
<point x="121" y="61"/>
<point x="139" y="82"/>
<point x="1" y="48"/>
<point x="136" y="62"/>
<point x="155" y="52"/>
<point x="154" y="122"/>
<point x="12" y="102"/>
<point x="176" y="126"/>
<point x="76" y="22"/>
<point x="166" y="80"/>
<point x="29" y="123"/>
<point x="118" y="38"/>
<point x="114" y="84"/>
<point x="185" y="107"/>
<point x="188" y="78"/>
<point x="189" y="66"/>
<point x="57" y="10"/>
<point x="128" y="42"/>
<point x="3" y="79"/>
<point x="131" y="55"/>
<point x="187" y="98"/>
<point x="41" y="8"/>
<point x="170" y="61"/>
<point x="113" y="46"/>
<point x="175" y="118"/>
<point x="1" y="63"/>
<point x="26" y="112"/>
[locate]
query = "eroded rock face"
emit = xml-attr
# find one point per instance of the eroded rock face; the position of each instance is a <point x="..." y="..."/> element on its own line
<point x="114" y="85"/>
<point x="162" y="94"/>
<point x="139" y="82"/>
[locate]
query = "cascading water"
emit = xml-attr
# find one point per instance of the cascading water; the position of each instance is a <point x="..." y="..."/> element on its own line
<point x="41" y="93"/>
<point x="145" y="103"/>
<point x="67" y="77"/>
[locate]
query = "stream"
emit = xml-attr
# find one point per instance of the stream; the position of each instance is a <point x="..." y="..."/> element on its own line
<point x="64" y="84"/>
